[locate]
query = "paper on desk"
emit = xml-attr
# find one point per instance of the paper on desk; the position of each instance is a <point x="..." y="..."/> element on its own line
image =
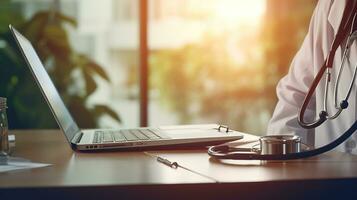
<point x="15" y="163"/>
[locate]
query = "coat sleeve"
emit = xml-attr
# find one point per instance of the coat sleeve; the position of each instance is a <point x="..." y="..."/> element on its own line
<point x="292" y="88"/>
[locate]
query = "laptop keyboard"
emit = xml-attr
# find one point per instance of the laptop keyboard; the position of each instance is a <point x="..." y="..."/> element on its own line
<point x="109" y="136"/>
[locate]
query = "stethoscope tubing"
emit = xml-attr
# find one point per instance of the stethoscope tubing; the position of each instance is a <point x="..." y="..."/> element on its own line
<point x="345" y="31"/>
<point x="227" y="152"/>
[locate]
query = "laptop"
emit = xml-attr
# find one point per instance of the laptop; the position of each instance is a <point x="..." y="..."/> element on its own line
<point x="100" y="139"/>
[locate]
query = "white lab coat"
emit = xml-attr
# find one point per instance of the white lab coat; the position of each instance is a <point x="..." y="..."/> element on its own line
<point x="292" y="88"/>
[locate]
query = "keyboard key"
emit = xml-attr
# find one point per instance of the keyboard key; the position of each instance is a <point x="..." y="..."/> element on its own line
<point x="139" y="135"/>
<point x="149" y="134"/>
<point x="101" y="136"/>
<point x="95" y="137"/>
<point x="159" y="133"/>
<point x="98" y="136"/>
<point x="118" y="137"/>
<point x="128" y="135"/>
<point x="107" y="137"/>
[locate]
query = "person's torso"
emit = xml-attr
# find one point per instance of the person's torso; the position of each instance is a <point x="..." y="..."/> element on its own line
<point x="331" y="129"/>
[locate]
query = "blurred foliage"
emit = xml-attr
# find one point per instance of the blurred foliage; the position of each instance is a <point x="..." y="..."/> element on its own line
<point x="283" y="31"/>
<point x="203" y="80"/>
<point x="45" y="30"/>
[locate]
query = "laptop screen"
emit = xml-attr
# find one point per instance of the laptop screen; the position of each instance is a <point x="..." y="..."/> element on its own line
<point x="59" y="110"/>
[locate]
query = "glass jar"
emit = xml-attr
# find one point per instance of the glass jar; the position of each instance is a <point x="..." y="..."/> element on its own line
<point x="4" y="129"/>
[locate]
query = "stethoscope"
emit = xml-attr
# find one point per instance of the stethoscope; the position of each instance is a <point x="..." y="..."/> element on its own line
<point x="285" y="147"/>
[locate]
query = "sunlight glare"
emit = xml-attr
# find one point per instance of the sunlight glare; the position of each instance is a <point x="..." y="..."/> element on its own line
<point x="239" y="11"/>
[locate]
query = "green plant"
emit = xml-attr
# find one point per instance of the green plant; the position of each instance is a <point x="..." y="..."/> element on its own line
<point x="45" y="30"/>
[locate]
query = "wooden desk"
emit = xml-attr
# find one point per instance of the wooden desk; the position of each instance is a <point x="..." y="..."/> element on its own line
<point x="115" y="175"/>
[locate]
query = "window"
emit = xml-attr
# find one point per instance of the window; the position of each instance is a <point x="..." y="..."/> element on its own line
<point x="209" y="61"/>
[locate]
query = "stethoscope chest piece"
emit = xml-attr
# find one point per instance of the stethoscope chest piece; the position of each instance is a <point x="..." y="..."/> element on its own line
<point x="270" y="147"/>
<point x="279" y="144"/>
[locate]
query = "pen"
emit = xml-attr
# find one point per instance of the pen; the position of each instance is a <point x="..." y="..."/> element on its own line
<point x="167" y="162"/>
<point x="175" y="165"/>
